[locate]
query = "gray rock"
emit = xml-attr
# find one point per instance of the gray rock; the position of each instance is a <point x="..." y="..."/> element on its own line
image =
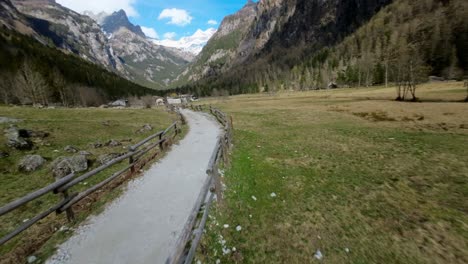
<point x="31" y="163"/>
<point x="71" y="149"/>
<point x="113" y="143"/>
<point x="31" y="259"/>
<point x="85" y="153"/>
<point x="106" y="158"/>
<point x="4" y="120"/>
<point x="63" y="166"/>
<point x="15" y="140"/>
<point x="145" y="128"/>
<point x="97" y="145"/>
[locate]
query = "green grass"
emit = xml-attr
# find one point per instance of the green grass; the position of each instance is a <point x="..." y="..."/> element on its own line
<point x="388" y="191"/>
<point x="77" y="127"/>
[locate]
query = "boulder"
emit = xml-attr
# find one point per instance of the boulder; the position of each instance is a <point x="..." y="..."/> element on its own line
<point x="106" y="158"/>
<point x="332" y="85"/>
<point x="70" y="149"/>
<point x="15" y="140"/>
<point x="26" y="133"/>
<point x="145" y="128"/>
<point x="97" y="145"/>
<point x="113" y="143"/>
<point x="5" y="120"/>
<point x="31" y="163"/>
<point x="63" y="166"/>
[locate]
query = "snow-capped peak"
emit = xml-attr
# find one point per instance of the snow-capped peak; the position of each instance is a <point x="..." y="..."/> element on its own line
<point x="193" y="44"/>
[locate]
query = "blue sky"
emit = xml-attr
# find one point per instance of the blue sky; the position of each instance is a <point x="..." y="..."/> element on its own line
<point x="178" y="17"/>
<point x="201" y="12"/>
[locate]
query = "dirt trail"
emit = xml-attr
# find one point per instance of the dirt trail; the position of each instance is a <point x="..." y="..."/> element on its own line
<point x="144" y="223"/>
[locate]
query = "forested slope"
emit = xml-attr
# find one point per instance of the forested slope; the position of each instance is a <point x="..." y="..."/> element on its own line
<point x="352" y="43"/>
<point x="32" y="73"/>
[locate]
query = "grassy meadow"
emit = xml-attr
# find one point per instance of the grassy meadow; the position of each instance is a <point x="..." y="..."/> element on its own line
<point x="80" y="128"/>
<point x="350" y="173"/>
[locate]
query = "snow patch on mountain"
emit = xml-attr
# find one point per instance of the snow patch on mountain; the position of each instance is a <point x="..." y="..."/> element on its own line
<point x="193" y="44"/>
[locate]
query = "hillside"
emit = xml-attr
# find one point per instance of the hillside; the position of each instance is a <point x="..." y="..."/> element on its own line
<point x="70" y="32"/>
<point x="110" y="41"/>
<point x="299" y="44"/>
<point x="32" y="73"/>
<point x="221" y="49"/>
<point x="147" y="63"/>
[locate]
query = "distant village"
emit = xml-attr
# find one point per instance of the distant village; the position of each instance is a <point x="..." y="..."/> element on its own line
<point x="150" y="101"/>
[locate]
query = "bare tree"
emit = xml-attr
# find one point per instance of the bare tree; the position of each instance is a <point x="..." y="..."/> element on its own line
<point x="148" y="101"/>
<point x="64" y="91"/>
<point x="5" y="88"/>
<point x="215" y="92"/>
<point x="89" y="96"/>
<point x="411" y="70"/>
<point x="31" y="87"/>
<point x="466" y="87"/>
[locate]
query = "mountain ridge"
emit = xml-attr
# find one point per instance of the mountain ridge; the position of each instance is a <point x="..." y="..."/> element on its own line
<point x="308" y="44"/>
<point x="117" y="20"/>
<point x="84" y="36"/>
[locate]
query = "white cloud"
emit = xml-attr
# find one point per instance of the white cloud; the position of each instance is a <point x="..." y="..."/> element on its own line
<point x="212" y="22"/>
<point x="177" y="17"/>
<point x="97" y="6"/>
<point x="170" y="35"/>
<point x="193" y="44"/>
<point x="150" y="32"/>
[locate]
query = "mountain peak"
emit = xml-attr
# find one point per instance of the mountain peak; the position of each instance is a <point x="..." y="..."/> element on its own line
<point x="120" y="13"/>
<point x="120" y="19"/>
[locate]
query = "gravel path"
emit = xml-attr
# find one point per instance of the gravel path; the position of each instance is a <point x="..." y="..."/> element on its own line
<point x="142" y="226"/>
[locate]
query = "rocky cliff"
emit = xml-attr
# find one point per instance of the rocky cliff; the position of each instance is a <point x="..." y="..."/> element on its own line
<point x="276" y="33"/>
<point x="222" y="49"/>
<point x="117" y="20"/>
<point x="111" y="41"/>
<point x="71" y="32"/>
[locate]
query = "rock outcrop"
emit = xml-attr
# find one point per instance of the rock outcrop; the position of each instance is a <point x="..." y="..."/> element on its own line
<point x="14" y="139"/>
<point x="63" y="166"/>
<point x="31" y="163"/>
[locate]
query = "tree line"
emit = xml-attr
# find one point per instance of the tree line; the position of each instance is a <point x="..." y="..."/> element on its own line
<point x="405" y="43"/>
<point x="32" y="73"/>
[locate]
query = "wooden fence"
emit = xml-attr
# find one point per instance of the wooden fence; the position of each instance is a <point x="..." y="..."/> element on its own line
<point x="62" y="186"/>
<point x="184" y="251"/>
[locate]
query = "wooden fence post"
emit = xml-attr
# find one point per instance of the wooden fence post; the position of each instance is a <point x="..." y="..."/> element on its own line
<point x="217" y="183"/>
<point x="69" y="211"/>
<point x="182" y="119"/>
<point x="161" y="145"/>
<point x="130" y="162"/>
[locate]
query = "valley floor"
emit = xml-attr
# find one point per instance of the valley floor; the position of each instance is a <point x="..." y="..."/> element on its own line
<point x="143" y="225"/>
<point x="346" y="176"/>
<point x="81" y="128"/>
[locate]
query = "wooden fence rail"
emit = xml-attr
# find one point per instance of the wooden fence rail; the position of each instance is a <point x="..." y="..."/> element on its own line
<point x="193" y="229"/>
<point x="62" y="186"/>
